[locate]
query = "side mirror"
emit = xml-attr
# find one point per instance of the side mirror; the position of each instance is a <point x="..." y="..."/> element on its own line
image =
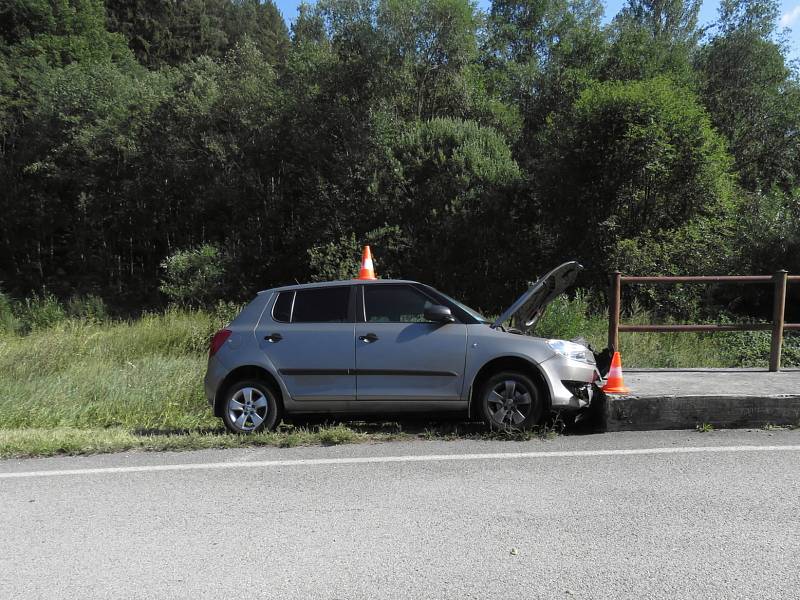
<point x="439" y="314"/>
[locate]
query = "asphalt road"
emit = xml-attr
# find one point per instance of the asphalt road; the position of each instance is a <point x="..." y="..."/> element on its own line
<point x="577" y="517"/>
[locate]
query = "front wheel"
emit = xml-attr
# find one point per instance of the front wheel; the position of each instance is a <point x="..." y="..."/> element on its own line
<point x="250" y="406"/>
<point x="511" y="400"/>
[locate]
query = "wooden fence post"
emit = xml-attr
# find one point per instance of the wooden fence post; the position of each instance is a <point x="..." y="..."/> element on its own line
<point x="779" y="307"/>
<point x="614" y="301"/>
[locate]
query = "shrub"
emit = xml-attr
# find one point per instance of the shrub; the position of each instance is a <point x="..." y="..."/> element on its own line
<point x="87" y="308"/>
<point x="700" y="247"/>
<point x="752" y="349"/>
<point x="39" y="312"/>
<point x="566" y="319"/>
<point x="195" y="276"/>
<point x="340" y="259"/>
<point x="336" y="260"/>
<point x="224" y="312"/>
<point x="45" y="311"/>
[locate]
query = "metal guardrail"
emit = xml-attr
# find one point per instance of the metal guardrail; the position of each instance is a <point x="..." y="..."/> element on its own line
<point x="780" y="280"/>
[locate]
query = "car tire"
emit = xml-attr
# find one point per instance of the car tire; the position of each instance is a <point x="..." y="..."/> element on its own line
<point x="511" y="401"/>
<point x="251" y="406"/>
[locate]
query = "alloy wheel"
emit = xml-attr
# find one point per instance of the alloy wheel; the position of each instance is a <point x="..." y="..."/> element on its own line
<point x="509" y="403"/>
<point x="248" y="408"/>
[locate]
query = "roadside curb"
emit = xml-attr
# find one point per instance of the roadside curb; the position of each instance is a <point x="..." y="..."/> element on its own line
<point x="642" y="413"/>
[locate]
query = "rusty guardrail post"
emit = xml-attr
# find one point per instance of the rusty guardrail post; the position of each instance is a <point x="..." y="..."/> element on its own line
<point x="779" y="307"/>
<point x="614" y="301"/>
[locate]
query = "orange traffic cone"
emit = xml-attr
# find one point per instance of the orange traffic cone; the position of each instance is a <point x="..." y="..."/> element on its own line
<point x="615" y="384"/>
<point x="367" y="270"/>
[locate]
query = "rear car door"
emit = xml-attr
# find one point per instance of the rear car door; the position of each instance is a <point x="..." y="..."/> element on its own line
<point x="399" y="354"/>
<point x="309" y="337"/>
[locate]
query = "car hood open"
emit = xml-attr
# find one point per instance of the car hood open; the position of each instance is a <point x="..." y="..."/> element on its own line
<point x="529" y="307"/>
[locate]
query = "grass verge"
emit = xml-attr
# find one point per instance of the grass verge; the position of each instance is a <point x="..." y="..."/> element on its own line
<point x="20" y="443"/>
<point x="68" y="441"/>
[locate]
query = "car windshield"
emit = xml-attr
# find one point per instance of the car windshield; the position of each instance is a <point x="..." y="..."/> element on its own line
<point x="471" y="312"/>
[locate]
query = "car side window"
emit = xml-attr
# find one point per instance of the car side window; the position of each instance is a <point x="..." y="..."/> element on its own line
<point x="282" y="311"/>
<point x="321" y="305"/>
<point x="394" y="304"/>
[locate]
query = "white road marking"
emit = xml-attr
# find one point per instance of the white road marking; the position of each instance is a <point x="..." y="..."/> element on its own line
<point x="310" y="462"/>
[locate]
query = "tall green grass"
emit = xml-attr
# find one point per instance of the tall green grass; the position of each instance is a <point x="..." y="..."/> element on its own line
<point x="143" y="374"/>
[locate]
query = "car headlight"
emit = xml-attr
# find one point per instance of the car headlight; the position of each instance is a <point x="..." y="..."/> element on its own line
<point x="572" y="350"/>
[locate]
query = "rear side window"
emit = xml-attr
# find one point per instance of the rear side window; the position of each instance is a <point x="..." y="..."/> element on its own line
<point x="321" y="305"/>
<point x="394" y="304"/>
<point x="282" y="311"/>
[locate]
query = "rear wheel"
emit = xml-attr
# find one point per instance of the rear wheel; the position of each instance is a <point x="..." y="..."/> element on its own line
<point x="511" y="400"/>
<point x="250" y="406"/>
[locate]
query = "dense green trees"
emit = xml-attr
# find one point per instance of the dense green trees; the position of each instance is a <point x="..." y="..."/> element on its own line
<point x="752" y="96"/>
<point x="633" y="158"/>
<point x="199" y="140"/>
<point x="171" y="33"/>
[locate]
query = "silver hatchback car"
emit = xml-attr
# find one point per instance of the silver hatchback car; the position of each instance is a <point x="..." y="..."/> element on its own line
<point x="390" y="346"/>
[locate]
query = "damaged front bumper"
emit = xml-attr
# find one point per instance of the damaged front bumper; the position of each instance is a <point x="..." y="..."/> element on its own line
<point x="573" y="383"/>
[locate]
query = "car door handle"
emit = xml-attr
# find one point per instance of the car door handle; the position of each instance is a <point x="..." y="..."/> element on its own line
<point x="369" y="338"/>
<point x="273" y="337"/>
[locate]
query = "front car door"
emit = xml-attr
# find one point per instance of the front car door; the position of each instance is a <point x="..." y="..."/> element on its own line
<point x="400" y="356"/>
<point x="309" y="338"/>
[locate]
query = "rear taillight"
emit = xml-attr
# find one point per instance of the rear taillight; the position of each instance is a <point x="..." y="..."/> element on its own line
<point x="216" y="342"/>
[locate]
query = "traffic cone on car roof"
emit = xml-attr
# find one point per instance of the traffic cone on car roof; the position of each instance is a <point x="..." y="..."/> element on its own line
<point x="615" y="384"/>
<point x="367" y="269"/>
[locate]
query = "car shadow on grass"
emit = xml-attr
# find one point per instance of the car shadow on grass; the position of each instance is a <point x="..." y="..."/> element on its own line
<point x="441" y="427"/>
<point x="156" y="431"/>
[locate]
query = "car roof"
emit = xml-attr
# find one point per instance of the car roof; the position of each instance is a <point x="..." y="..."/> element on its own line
<point x="319" y="284"/>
